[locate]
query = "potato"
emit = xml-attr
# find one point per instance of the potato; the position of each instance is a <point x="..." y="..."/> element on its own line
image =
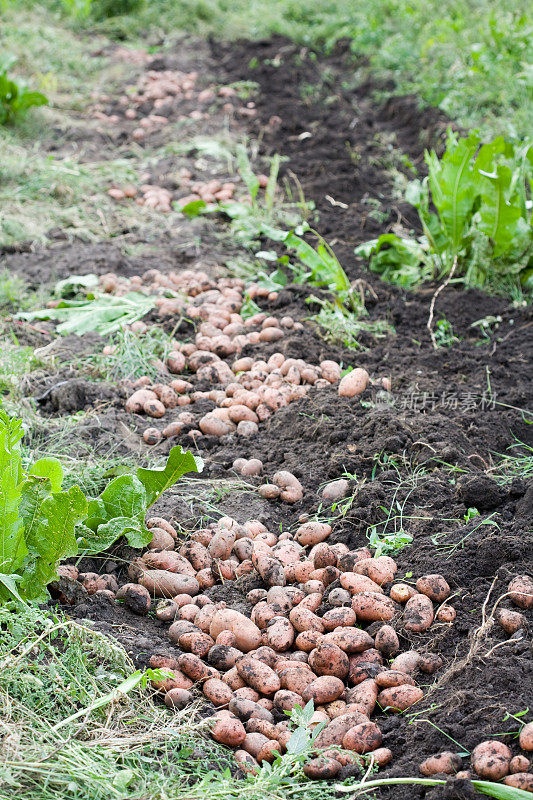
<point x="521" y="591"/>
<point x="178" y="698"/>
<point x="246" y="709"/>
<point x="511" y="621"/>
<point x="355" y="583"/>
<point x="170" y="562"/>
<point x="218" y="692"/>
<point x="372" y="607"/>
<point x="392" y="677"/>
<point x="399" y="698"/>
<point x="407" y="661"/>
<point x="252" y="467"/>
<point x="430" y="663"/>
<point x="322" y="768"/>
<point x="337" y="728"/>
<point x="339" y="618"/>
<point x="240" y="413"/>
<point x="339" y="597"/>
<point x="286" y="701"/>
<point x="519" y="764"/>
<point x="335" y="490"/>
<point x="221" y="544"/>
<point x="269" y="750"/>
<point x="223" y="657"/>
<point x="434" y="586"/>
<point x="351" y="640"/>
<point x="280" y="634"/>
<point x="161" y="583"/>
<point x="228" y="730"/>
<point x="446" y="763"/>
<point x="303" y="619"/>
<point x="161" y="540"/>
<point x="152" y="436"/>
<point x="353" y="383"/>
<point x="176" y="680"/>
<point x="380" y="570"/>
<point x="491" y="760"/>
<point x="197" y="555"/>
<point x="196" y="642"/>
<point x="205" y="578"/>
<point x="311" y="533"/>
<point x="349" y="559"/>
<point x="380" y="757"/>
<point x="386" y="641"/>
<point x="308" y="640"/>
<point x="247" y="763"/>
<point x="154" y="408"/>
<point x="270" y="569"/>
<point x="330" y="371"/>
<point x="323" y="690"/>
<point x="290" y="486"/>
<point x="445" y="613"/>
<point x="247" y="634"/>
<point x="520" y="780"/>
<point x="418" y="615"/>
<point x="135" y="404"/>
<point x="136" y="598"/>
<point x="188" y="611"/>
<point x="363" y="738"/>
<point x="526" y="737"/>
<point x="296" y="678"/>
<point x="364" y="695"/>
<point x="402" y="592"/>
<point x="329" y="659"/>
<point x="262" y="614"/>
<point x="254" y="742"/>
<point x="258" y="675"/>
<point x="311" y="601"/>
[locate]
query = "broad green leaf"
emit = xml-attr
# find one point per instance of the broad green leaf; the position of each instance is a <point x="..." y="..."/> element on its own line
<point x="74" y="283"/>
<point x="103" y="314"/>
<point x="96" y="542"/>
<point x="235" y="210"/>
<point x="12" y="546"/>
<point x="299" y="741"/>
<point x="124" y="496"/>
<point x="34" y="492"/>
<point x="49" y="468"/>
<point x="193" y="209"/>
<point x="52" y="537"/>
<point x="9" y="587"/>
<point x="499" y="218"/>
<point x="179" y="462"/>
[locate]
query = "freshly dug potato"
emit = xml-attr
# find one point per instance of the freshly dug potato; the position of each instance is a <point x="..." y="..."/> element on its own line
<point x="447" y="763"/>
<point x="228" y="730"/>
<point x="323" y="690"/>
<point x="291" y="489"/>
<point x="269" y="750"/>
<point x="286" y="701"/>
<point x="407" y="661"/>
<point x="373" y="607"/>
<point x="386" y="641"/>
<point x="430" y="663"/>
<point x="433" y="586"/>
<point x="247" y="763"/>
<point x="308" y="640"/>
<point x="329" y="659"/>
<point x="280" y="634"/>
<point x="393" y="677"/>
<point x="196" y="642"/>
<point x="363" y="738"/>
<point x="355" y="583"/>
<point x="218" y="692"/>
<point x="380" y="570"/>
<point x="339" y="618"/>
<point x="248" y="709"/>
<point x="135" y="597"/>
<point x="399" y="698"/>
<point x="491" y="760"/>
<point x="137" y="401"/>
<point x="161" y="583"/>
<point x="511" y="621"/>
<point x="258" y="675"/>
<point x="193" y="667"/>
<point x="304" y="620"/>
<point x="254" y="742"/>
<point x="520" y="780"/>
<point x="418" y="615"/>
<point x="311" y="533"/>
<point x="401" y="592"/>
<point x="335" y="730"/>
<point x="364" y="695"/>
<point x="526" y="737"/>
<point x="519" y="764"/>
<point x="178" y="698"/>
<point x="381" y="756"/>
<point x="322" y="768"/>
<point x="521" y="591"/>
<point x="335" y="490"/>
<point x="270" y="569"/>
<point x="351" y="640"/>
<point x="247" y="634"/>
<point x="223" y="657"/>
<point x="296" y="678"/>
<point x="354" y="383"/>
<point x="445" y="613"/>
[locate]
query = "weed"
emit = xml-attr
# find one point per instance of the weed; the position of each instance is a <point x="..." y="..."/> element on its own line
<point x="134" y="354"/>
<point x="15" y="99"/>
<point x="444" y="336"/>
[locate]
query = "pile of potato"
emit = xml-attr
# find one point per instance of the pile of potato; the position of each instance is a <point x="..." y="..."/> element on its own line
<point x="246" y="392"/>
<point x="325" y="625"/>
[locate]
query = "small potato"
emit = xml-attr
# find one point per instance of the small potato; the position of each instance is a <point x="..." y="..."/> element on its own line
<point x="223" y="657"/>
<point x="286" y="701"/>
<point x="311" y="533"/>
<point x="330" y="370"/>
<point x="308" y="640"/>
<point x="248" y="635"/>
<point x="176" y="362"/>
<point x="386" y="641"/>
<point x="161" y="583"/>
<point x="322" y="768"/>
<point x="521" y="591"/>
<point x="519" y="764"/>
<point x="254" y="742"/>
<point x="296" y="678"/>
<point x="373" y="607"/>
<point x="433" y="586"/>
<point x="520" y="780"/>
<point x="280" y="634"/>
<point x="270" y="749"/>
<point x="252" y="467"/>
<point x="336" y="490"/>
<point x="446" y="763"/>
<point x="363" y="738"/>
<point x="303" y="619"/>
<point x="364" y="695"/>
<point x="418" y="615"/>
<point x="351" y="640"/>
<point x="136" y="598"/>
<point x="445" y="613"/>
<point x="380" y="757"/>
<point x="354" y="383"/>
<point x="399" y="698"/>
<point x="268" y="491"/>
<point x="152" y="436"/>
<point x="407" y="661"/>
<point x="154" y="408"/>
<point x="246" y="762"/>
<point x="137" y="401"/>
<point x="258" y="675"/>
<point x="228" y="730"/>
<point x="270" y="569"/>
<point x="401" y="592"/>
<point x="526" y="737"/>
<point x="178" y="698"/>
<point x="218" y="692"/>
<point x="355" y="583"/>
<point x="491" y="760"/>
<point x="329" y="659"/>
<point x="380" y="570"/>
<point x="161" y="540"/>
<point x="339" y="618"/>
<point x="393" y="677"/>
<point x="337" y="728"/>
<point x="323" y="690"/>
<point x="430" y="663"/>
<point x="511" y="621"/>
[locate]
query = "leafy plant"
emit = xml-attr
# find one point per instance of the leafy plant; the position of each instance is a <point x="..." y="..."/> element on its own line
<point x="15" y="99"/>
<point x="482" y="218"/>
<point x="40" y="523"/>
<point x="104" y="313"/>
<point x="388" y="543"/>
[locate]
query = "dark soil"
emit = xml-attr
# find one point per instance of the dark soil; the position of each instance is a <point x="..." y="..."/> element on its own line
<point x="418" y="458"/>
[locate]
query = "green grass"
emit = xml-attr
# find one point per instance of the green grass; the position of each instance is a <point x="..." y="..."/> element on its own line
<point x="472" y="58"/>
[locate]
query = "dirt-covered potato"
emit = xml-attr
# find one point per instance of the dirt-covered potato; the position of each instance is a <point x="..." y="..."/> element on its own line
<point x="526" y="737"/>
<point x="178" y="698"/>
<point x="386" y="641"/>
<point x="218" y="692"/>
<point x="399" y="698"/>
<point x="521" y="591"/>
<point x="135" y="597"/>
<point x="229" y="730"/>
<point x="364" y="695"/>
<point x="329" y="659"/>
<point x="447" y="763"/>
<point x="433" y="586"/>
<point x="520" y="780"/>
<point x="280" y="634"/>
<point x="161" y="583"/>
<point x="323" y="690"/>
<point x="258" y="675"/>
<point x="418" y="614"/>
<point x="373" y="607"/>
<point x="322" y="768"/>
<point x="337" y="728"/>
<point x="363" y="738"/>
<point x="491" y="760"/>
<point x="247" y="634"/>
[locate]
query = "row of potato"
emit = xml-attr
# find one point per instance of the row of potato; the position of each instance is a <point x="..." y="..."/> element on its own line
<point x="323" y="627"/>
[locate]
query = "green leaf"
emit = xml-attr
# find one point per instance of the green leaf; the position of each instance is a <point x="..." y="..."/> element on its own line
<point x="194" y="208"/>
<point x="156" y="481"/>
<point x="124" y="496"/>
<point x="49" y="468"/>
<point x="96" y="542"/>
<point x="104" y="314"/>
<point x="34" y="492"/>
<point x="9" y="582"/>
<point x="74" y="283"/>
<point x="12" y="545"/>
<point x="52" y="537"/>
<point x="499" y="218"/>
<point x="400" y="261"/>
<point x="245" y="168"/>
